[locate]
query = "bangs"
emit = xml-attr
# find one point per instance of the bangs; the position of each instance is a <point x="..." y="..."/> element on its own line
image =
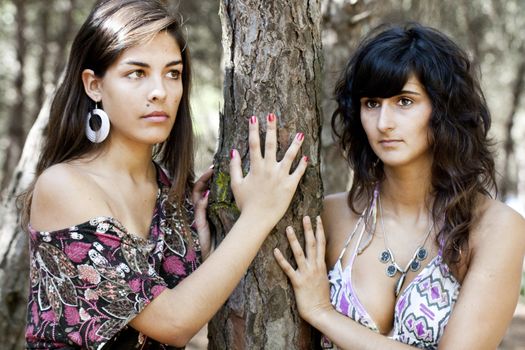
<point x="382" y="73"/>
<point x="386" y="62"/>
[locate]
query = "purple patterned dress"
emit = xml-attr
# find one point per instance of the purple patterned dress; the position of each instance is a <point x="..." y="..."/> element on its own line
<point x="422" y="310"/>
<point x="88" y="281"/>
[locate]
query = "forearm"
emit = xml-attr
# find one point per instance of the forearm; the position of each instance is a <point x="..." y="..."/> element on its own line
<point x="211" y="284"/>
<point x="180" y="313"/>
<point x="348" y="334"/>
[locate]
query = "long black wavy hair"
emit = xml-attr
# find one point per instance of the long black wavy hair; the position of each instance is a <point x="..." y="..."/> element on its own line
<point x="463" y="164"/>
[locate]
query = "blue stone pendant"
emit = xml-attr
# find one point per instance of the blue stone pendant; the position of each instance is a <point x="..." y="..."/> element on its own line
<point x="391" y="270"/>
<point x="415" y="265"/>
<point x="385" y="256"/>
<point x="422" y="254"/>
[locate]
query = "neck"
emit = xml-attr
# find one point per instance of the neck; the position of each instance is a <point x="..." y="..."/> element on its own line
<point x="407" y="191"/>
<point x="125" y="159"/>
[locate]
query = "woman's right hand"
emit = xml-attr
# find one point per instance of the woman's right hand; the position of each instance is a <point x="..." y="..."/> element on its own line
<point x="309" y="280"/>
<point x="267" y="190"/>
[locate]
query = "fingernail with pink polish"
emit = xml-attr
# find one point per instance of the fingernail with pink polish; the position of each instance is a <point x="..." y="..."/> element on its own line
<point x="300" y="136"/>
<point x="205" y="194"/>
<point x="253" y="119"/>
<point x="306" y="158"/>
<point x="232" y="154"/>
<point x="271" y="117"/>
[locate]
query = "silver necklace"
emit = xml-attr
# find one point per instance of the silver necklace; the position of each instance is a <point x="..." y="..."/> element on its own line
<point x="387" y="256"/>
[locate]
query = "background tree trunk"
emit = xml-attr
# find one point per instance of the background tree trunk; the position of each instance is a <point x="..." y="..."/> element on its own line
<point x="64" y="37"/>
<point x="16" y="132"/>
<point x="273" y="64"/>
<point x="14" y="258"/>
<point x="43" y="59"/>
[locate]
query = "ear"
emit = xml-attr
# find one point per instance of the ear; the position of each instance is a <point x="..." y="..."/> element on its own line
<point x="92" y="85"/>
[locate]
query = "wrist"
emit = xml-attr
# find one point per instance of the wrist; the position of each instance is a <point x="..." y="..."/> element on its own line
<point x="320" y="316"/>
<point x="258" y="220"/>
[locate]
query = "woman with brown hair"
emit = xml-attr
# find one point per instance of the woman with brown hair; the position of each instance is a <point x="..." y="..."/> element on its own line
<point x="419" y="253"/>
<point x="117" y="226"/>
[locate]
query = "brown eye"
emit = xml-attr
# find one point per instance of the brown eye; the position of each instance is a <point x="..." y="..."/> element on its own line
<point x="371" y="104"/>
<point x="174" y="74"/>
<point x="405" y="102"/>
<point x="136" y="74"/>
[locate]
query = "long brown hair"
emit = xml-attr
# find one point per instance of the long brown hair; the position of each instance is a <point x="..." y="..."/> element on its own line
<point x="112" y="27"/>
<point x="463" y="165"/>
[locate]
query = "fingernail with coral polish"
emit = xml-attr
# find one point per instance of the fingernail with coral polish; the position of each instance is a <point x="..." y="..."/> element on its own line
<point x="271" y="117"/>
<point x="300" y="136"/>
<point x="232" y="154"/>
<point x="253" y="119"/>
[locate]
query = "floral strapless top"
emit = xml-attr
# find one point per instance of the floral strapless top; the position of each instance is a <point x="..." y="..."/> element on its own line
<point x="88" y="281"/>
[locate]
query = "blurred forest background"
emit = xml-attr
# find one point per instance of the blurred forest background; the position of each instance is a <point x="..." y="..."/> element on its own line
<point x="35" y="36"/>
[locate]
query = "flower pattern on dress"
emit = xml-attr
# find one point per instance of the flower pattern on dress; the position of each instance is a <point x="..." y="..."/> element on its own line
<point x="88" y="281"/>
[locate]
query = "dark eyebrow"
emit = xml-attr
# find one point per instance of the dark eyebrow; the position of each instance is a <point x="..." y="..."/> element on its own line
<point x="145" y="65"/>
<point x="408" y="92"/>
<point x="174" y="63"/>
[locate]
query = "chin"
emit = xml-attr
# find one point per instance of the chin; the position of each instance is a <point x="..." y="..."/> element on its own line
<point x="154" y="139"/>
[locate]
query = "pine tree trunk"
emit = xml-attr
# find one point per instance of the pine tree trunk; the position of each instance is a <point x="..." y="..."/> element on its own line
<point x="14" y="258"/>
<point x="16" y="131"/>
<point x="273" y="64"/>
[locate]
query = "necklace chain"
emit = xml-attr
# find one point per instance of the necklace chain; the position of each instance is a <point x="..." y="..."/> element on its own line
<point x="387" y="256"/>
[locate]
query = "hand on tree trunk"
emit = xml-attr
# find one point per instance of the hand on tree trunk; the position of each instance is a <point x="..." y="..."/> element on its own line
<point x="309" y="280"/>
<point x="267" y="190"/>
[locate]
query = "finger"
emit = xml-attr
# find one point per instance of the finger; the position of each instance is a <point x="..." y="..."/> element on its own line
<point x="254" y="141"/>
<point x="292" y="151"/>
<point x="270" y="147"/>
<point x="298" y="252"/>
<point x="321" y="241"/>
<point x="201" y="185"/>
<point x="235" y="168"/>
<point x="284" y="264"/>
<point x="299" y="171"/>
<point x="200" y="211"/>
<point x="310" y="244"/>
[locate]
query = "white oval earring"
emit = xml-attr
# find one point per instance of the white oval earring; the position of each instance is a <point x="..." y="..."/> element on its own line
<point x="97" y="136"/>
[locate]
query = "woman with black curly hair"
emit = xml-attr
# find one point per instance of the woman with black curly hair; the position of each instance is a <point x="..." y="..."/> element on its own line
<point x="420" y="254"/>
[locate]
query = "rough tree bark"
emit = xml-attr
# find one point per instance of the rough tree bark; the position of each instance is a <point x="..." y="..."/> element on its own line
<point x="273" y="64"/>
<point x="14" y="258"/>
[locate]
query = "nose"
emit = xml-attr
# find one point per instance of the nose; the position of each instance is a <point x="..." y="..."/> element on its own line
<point x="386" y="120"/>
<point x="157" y="90"/>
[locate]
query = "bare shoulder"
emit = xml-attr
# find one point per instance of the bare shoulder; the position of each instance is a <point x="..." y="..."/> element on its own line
<point x="335" y="201"/>
<point x="333" y="206"/>
<point x="64" y="196"/>
<point x="498" y="226"/>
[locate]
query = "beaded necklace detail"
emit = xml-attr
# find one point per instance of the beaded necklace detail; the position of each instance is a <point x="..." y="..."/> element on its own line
<point x="387" y="256"/>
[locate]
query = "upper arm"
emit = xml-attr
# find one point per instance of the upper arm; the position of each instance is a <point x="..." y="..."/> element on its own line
<point x="328" y="215"/>
<point x="63" y="197"/>
<point x="490" y="289"/>
<point x="337" y="219"/>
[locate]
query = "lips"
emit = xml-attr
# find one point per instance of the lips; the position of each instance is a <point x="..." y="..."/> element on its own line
<point x="156" y="116"/>
<point x="390" y="142"/>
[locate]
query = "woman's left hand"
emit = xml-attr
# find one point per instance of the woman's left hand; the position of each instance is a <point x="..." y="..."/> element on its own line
<point x="199" y="198"/>
<point x="309" y="280"/>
